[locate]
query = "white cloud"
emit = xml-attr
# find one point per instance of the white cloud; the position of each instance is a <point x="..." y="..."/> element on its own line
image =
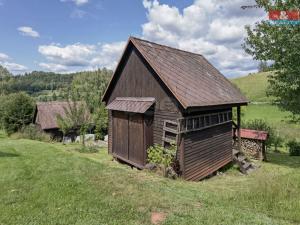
<point x="3" y="57"/>
<point x="212" y="28"/>
<point x="14" y="68"/>
<point x="70" y="55"/>
<point x="77" y="2"/>
<point x="28" y="31"/>
<point x="108" y="55"/>
<point x="79" y="56"/>
<point x="53" y="67"/>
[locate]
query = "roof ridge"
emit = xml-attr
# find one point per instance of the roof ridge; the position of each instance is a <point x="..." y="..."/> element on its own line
<point x="166" y="46"/>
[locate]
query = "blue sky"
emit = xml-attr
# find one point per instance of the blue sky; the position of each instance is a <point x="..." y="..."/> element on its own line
<point x="73" y="35"/>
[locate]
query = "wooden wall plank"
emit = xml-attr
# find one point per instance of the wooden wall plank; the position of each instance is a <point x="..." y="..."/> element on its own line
<point x="207" y="150"/>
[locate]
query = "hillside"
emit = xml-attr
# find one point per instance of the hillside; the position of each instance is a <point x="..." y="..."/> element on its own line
<point x="254" y="86"/>
<point x="43" y="183"/>
<point x="44" y="86"/>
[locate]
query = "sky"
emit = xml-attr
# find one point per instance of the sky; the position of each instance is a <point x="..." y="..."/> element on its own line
<point x="74" y="35"/>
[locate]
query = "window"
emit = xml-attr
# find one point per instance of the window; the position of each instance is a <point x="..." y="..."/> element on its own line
<point x="194" y="123"/>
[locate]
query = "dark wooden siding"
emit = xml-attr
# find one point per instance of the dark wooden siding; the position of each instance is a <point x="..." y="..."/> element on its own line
<point x="110" y="131"/>
<point x="206" y="151"/>
<point x="137" y="79"/>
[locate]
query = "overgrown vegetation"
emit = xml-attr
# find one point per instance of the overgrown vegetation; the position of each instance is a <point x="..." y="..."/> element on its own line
<point x="294" y="148"/>
<point x="162" y="157"/>
<point x="16" y="111"/>
<point x="31" y="132"/>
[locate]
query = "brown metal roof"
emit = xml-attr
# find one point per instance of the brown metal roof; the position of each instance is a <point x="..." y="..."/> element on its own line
<point x="47" y="112"/>
<point x="189" y="76"/>
<point x="137" y="105"/>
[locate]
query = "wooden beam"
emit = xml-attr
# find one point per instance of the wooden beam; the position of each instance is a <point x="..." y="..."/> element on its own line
<point x="239" y="128"/>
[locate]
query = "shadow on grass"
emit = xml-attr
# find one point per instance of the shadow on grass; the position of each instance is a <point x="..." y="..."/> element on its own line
<point x="284" y="159"/>
<point x="7" y="154"/>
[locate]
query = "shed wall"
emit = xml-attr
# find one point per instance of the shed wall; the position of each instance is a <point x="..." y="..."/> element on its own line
<point x="137" y="79"/>
<point x="206" y="151"/>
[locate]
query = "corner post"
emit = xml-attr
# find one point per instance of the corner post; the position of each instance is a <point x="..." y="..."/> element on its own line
<point x="239" y="127"/>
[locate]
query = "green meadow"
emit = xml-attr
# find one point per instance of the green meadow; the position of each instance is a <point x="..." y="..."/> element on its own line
<point x="254" y="86"/>
<point x="43" y="183"/>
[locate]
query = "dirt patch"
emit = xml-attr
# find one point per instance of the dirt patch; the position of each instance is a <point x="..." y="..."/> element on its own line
<point x="158" y="217"/>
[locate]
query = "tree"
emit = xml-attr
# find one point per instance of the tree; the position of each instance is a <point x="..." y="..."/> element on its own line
<point x="90" y="87"/>
<point x="76" y="120"/>
<point x="17" y="111"/>
<point x="280" y="45"/>
<point x="263" y="67"/>
<point x="4" y="73"/>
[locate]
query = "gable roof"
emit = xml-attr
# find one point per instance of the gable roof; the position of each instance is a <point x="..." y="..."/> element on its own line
<point x="46" y="113"/>
<point x="192" y="80"/>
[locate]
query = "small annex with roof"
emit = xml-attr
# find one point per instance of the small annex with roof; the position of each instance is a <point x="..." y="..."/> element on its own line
<point x="160" y="95"/>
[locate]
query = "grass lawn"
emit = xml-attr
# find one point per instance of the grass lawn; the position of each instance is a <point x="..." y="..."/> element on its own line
<point x="280" y="120"/>
<point x="49" y="184"/>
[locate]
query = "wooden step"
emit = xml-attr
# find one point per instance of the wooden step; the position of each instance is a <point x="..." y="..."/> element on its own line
<point x="246" y="165"/>
<point x="241" y="157"/>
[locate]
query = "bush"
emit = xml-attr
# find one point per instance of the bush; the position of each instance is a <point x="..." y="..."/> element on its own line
<point x="294" y="148"/>
<point x="163" y="157"/>
<point x="16" y="112"/>
<point x="32" y="133"/>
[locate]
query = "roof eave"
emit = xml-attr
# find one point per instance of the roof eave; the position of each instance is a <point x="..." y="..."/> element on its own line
<point x="231" y="104"/>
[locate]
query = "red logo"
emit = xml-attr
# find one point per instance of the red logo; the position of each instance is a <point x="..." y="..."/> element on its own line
<point x="284" y="15"/>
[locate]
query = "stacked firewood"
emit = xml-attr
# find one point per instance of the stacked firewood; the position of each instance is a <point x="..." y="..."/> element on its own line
<point x="252" y="148"/>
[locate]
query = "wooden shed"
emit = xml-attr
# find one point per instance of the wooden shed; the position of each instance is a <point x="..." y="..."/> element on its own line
<point x="160" y="94"/>
<point x="45" y="117"/>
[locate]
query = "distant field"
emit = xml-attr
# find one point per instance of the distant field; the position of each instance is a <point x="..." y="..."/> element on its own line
<point x="280" y="120"/>
<point x="254" y="86"/>
<point x="52" y="184"/>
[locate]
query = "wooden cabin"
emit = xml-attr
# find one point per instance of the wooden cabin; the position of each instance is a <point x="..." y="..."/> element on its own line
<point x="45" y="118"/>
<point x="160" y="95"/>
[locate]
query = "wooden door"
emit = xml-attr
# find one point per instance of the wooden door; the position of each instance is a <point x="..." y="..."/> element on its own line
<point x="132" y="135"/>
<point x="120" y="134"/>
<point x="136" y="146"/>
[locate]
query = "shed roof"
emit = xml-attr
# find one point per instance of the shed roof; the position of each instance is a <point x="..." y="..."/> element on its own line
<point x="192" y="80"/>
<point x="47" y="112"/>
<point x="130" y="104"/>
<point x="254" y="134"/>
